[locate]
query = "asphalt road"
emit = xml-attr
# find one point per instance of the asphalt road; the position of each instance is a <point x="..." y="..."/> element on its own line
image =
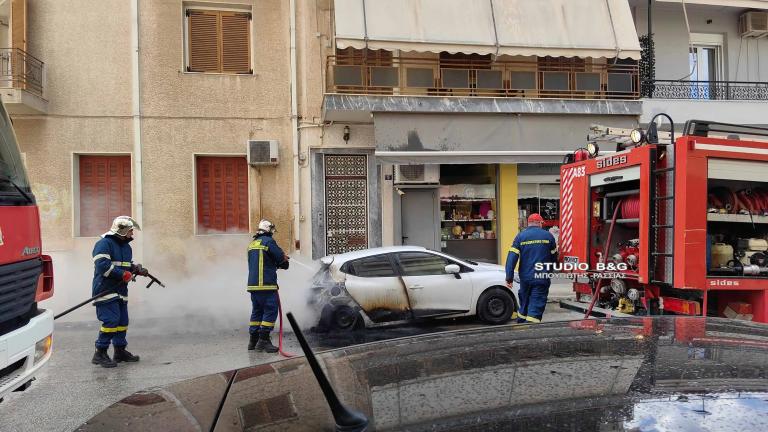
<point x="71" y="390"/>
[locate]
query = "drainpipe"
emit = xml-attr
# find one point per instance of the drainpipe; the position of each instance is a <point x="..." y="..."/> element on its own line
<point x="295" y="127"/>
<point x="138" y="214"/>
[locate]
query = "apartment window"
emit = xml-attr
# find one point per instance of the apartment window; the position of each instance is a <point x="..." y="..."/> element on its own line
<point x="218" y="41"/>
<point x="105" y="192"/>
<point x="222" y="194"/>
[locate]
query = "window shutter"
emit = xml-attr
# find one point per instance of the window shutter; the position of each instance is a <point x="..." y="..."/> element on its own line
<point x="204" y="49"/>
<point x="105" y="192"/>
<point x="235" y="42"/>
<point x="222" y="194"/>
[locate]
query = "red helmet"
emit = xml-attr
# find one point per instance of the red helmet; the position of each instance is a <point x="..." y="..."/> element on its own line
<point x="535" y="218"/>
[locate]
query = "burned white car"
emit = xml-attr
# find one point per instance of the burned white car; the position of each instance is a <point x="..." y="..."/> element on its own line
<point x="384" y="285"/>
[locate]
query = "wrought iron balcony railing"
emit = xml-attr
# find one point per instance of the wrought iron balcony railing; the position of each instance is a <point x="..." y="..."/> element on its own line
<point x="555" y="78"/>
<point x="20" y="70"/>
<point x="705" y="90"/>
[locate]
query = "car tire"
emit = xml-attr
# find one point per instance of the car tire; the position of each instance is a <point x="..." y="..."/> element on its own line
<point x="496" y="306"/>
<point x="345" y="318"/>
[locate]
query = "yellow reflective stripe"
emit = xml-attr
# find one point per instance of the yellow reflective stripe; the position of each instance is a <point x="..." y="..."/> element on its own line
<point x="122" y="263"/>
<point x="261" y="267"/>
<point x="532" y="319"/>
<point x="254" y="323"/>
<point x="109" y="270"/>
<point x="256" y="244"/>
<point x="267" y="324"/>
<point x="527" y="242"/>
<point x="514" y="249"/>
<point x="101" y="256"/>
<point x="261" y="287"/>
<point x="513" y="316"/>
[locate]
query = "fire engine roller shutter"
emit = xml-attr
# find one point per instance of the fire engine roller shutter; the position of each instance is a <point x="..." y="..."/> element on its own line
<point x="105" y="192"/>
<point x="222" y="194"/>
<point x="615" y="176"/>
<point x="729" y="169"/>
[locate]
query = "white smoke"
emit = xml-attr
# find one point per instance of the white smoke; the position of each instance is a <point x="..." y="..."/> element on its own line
<point x="205" y="285"/>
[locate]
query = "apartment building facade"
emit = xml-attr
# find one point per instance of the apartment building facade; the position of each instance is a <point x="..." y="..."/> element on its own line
<point x="710" y="58"/>
<point x="146" y="107"/>
<point x="443" y="124"/>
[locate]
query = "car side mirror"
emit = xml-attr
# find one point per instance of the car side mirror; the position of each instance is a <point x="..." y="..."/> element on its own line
<point x="453" y="269"/>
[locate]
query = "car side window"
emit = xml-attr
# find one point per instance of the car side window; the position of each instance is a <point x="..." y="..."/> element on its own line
<point x="374" y="266"/>
<point x="422" y="264"/>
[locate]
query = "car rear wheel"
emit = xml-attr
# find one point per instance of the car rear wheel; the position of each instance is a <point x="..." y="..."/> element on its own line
<point x="495" y="306"/>
<point x="345" y="318"/>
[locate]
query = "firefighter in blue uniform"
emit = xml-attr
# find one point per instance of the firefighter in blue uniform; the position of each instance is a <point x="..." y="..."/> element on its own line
<point x="532" y="245"/>
<point x="113" y="269"/>
<point x="264" y="258"/>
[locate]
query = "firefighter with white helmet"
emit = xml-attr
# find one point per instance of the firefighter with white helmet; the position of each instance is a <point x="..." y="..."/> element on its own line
<point x="264" y="258"/>
<point x="113" y="269"/>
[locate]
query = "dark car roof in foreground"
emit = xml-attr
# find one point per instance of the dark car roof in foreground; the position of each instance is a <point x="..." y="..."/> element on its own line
<point x="625" y="374"/>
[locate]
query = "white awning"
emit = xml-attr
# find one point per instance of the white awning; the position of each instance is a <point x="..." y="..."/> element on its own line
<point x="568" y="28"/>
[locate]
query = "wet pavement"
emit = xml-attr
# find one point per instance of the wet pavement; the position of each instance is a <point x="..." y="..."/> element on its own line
<point x="70" y="390"/>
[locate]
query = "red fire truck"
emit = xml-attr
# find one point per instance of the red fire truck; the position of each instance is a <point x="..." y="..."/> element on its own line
<point x="26" y="275"/>
<point x="669" y="226"/>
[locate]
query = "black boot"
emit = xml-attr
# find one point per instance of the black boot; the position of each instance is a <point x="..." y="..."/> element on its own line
<point x="100" y="357"/>
<point x="123" y="355"/>
<point x="265" y="343"/>
<point x="252" y="342"/>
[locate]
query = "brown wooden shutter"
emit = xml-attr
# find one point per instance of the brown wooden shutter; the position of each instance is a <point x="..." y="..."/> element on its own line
<point x="19" y="24"/>
<point x="105" y="192"/>
<point x="219" y="41"/>
<point x="235" y="42"/>
<point x="18" y="41"/>
<point x="222" y="194"/>
<point x="204" y="41"/>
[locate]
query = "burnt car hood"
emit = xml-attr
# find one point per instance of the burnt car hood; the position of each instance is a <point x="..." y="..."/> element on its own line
<point x="624" y="374"/>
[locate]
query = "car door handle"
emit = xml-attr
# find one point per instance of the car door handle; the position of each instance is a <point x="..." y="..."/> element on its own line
<point x="415" y="287"/>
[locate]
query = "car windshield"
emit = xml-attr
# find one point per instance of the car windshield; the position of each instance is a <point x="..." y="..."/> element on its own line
<point x="13" y="176"/>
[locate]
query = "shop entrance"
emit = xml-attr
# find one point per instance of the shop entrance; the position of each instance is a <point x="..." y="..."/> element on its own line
<point x="419" y="212"/>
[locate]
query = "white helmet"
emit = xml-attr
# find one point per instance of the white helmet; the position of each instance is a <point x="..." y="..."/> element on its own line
<point x="122" y="225"/>
<point x="266" y="226"/>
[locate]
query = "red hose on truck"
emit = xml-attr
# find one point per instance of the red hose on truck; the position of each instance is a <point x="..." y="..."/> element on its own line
<point x="605" y="254"/>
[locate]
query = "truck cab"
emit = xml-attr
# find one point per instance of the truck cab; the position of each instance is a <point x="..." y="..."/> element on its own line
<point x="26" y="275"/>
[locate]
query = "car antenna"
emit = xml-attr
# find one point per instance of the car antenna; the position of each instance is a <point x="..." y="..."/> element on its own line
<point x="347" y="420"/>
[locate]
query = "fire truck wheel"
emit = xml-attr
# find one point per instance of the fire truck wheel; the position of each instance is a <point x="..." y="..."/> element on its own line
<point x="495" y="306"/>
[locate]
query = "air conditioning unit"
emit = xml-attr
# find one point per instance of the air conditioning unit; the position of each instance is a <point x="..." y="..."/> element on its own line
<point x="417" y="174"/>
<point x="262" y="152"/>
<point x="753" y="24"/>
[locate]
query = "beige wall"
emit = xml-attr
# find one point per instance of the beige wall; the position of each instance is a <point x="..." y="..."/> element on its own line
<point x="86" y="47"/>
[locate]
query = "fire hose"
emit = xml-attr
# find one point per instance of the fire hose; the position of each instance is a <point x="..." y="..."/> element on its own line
<point x="603" y="257"/>
<point x="280" y="332"/>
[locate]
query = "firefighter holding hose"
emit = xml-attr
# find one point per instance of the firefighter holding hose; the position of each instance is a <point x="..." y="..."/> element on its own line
<point x="264" y="258"/>
<point x="113" y="269"/>
<point x="531" y="246"/>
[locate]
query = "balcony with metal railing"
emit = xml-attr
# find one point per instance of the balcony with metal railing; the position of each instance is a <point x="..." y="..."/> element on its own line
<point x="546" y="78"/>
<point x="22" y="82"/>
<point x="478" y="84"/>
<point x="705" y="90"/>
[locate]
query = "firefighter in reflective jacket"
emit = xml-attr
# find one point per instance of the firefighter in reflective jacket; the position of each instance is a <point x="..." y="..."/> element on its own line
<point x="264" y="258"/>
<point x="533" y="245"/>
<point x="113" y="269"/>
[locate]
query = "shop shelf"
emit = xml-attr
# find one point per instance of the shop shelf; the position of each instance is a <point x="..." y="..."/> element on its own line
<point x="466" y="199"/>
<point x="740" y="218"/>
<point x="468" y="220"/>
